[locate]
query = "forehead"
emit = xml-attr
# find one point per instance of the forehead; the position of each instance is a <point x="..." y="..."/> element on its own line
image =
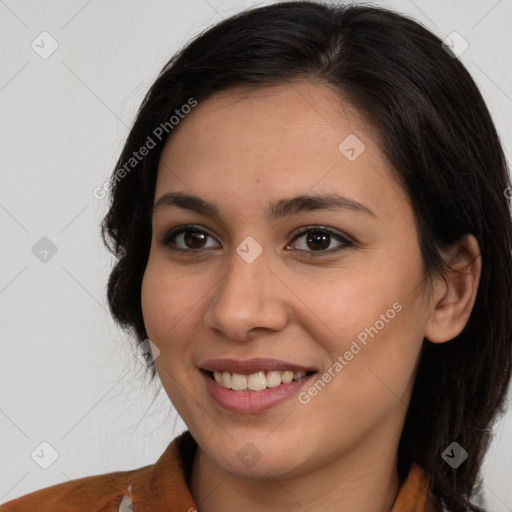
<point x="275" y="142"/>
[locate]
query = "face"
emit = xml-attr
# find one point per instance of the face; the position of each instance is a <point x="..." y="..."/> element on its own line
<point x="334" y="289"/>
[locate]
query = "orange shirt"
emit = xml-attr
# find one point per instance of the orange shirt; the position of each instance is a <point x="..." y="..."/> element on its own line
<point x="162" y="487"/>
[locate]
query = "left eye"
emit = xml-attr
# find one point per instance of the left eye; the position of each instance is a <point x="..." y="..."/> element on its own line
<point x="316" y="240"/>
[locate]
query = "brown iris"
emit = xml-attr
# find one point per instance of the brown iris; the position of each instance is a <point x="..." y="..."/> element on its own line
<point x="317" y="237"/>
<point x="193" y="236"/>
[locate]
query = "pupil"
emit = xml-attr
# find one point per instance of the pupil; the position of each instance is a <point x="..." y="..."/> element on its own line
<point x="318" y="237"/>
<point x="193" y="236"/>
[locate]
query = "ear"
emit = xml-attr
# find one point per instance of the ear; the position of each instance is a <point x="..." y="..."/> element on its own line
<point x="455" y="293"/>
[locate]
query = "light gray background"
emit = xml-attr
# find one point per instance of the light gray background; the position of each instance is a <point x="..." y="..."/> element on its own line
<point x="67" y="374"/>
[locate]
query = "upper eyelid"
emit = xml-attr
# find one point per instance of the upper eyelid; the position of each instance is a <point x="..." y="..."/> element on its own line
<point x="186" y="227"/>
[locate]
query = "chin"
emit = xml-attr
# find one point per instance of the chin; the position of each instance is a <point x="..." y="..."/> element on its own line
<point x="257" y="459"/>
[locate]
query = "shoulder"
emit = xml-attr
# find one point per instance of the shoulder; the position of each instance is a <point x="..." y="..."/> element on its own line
<point x="93" y="493"/>
<point x="160" y="486"/>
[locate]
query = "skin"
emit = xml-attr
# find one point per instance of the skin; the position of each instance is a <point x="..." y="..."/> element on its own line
<point x="241" y="149"/>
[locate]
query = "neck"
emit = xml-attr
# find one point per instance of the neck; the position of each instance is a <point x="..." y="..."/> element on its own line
<point x="364" y="480"/>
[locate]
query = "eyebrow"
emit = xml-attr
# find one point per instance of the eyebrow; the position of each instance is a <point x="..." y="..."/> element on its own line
<point x="276" y="209"/>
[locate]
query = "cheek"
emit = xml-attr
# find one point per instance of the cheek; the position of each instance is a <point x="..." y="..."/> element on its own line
<point x="374" y="320"/>
<point x="357" y="300"/>
<point x="167" y="307"/>
<point x="155" y="300"/>
<point x="165" y="300"/>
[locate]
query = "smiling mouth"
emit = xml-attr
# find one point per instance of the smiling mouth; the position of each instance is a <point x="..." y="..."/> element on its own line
<point x="256" y="381"/>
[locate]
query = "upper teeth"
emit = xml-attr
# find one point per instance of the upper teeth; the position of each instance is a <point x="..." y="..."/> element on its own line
<point x="255" y="381"/>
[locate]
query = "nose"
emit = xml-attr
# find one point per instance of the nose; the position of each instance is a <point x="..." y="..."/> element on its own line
<point x="249" y="297"/>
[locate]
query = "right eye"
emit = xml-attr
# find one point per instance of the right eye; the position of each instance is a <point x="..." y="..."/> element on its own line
<point x="192" y="239"/>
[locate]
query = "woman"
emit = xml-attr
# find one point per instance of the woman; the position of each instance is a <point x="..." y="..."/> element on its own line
<point x="311" y="225"/>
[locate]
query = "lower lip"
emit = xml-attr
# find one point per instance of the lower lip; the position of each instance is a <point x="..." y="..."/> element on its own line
<point x="252" y="401"/>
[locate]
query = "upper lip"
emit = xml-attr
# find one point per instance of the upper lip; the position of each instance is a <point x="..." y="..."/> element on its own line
<point x="251" y="366"/>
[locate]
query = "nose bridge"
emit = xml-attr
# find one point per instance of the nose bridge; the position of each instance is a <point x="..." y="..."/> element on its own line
<point x="248" y="295"/>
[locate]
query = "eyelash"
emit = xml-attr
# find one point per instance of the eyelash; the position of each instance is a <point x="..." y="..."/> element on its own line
<point x="345" y="243"/>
